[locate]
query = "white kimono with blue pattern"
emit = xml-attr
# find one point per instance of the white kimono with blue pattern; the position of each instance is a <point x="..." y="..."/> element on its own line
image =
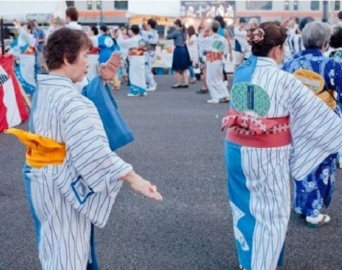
<point x="67" y="199"/>
<point x="258" y="178"/>
<point x="151" y="38"/>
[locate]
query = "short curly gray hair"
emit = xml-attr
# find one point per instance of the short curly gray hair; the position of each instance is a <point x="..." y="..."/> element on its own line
<point x="315" y="35"/>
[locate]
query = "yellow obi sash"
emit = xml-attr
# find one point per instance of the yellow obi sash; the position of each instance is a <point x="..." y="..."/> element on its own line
<point x="40" y="151"/>
<point x="315" y="82"/>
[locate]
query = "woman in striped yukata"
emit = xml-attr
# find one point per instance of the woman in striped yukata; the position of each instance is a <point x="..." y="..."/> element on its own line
<point x="267" y="140"/>
<point x="323" y="76"/>
<point x="71" y="175"/>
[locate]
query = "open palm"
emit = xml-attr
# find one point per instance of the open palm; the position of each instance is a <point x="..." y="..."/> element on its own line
<point x="109" y="69"/>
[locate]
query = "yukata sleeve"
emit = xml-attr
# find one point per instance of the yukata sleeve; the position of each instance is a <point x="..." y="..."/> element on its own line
<point x="172" y="35"/>
<point x="153" y="38"/>
<point x="125" y="43"/>
<point x="316" y="130"/>
<point x="26" y="37"/>
<point x="338" y="83"/>
<point x="89" y="151"/>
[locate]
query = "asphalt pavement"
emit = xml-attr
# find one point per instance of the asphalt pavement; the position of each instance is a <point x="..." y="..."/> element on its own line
<point x="180" y="148"/>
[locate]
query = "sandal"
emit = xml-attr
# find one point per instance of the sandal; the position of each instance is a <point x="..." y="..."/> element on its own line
<point x="177" y="86"/>
<point x="202" y="91"/>
<point x="321" y="221"/>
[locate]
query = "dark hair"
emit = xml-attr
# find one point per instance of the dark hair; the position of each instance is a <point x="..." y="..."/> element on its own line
<point x="296" y="20"/>
<point x="191" y="31"/>
<point x="179" y="23"/>
<point x="94" y="30"/>
<point x="65" y="43"/>
<point x="265" y="37"/>
<point x="336" y="37"/>
<point x="135" y="29"/>
<point x="11" y="34"/>
<point x="30" y="25"/>
<point x="152" y="23"/>
<point x="72" y="13"/>
<point x="215" y="25"/>
<point x="104" y="28"/>
<point x="340" y="15"/>
<point x="242" y="20"/>
<point x="304" y="22"/>
<point x="221" y="21"/>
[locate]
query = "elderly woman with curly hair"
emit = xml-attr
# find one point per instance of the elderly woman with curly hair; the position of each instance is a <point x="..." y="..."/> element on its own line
<point x="267" y="140"/>
<point x="324" y="77"/>
<point x="71" y="175"/>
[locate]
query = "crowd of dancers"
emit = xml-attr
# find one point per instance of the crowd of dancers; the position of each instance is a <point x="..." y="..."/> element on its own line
<point x="284" y="122"/>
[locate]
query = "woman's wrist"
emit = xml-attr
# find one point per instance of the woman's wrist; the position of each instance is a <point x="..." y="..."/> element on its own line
<point x="131" y="177"/>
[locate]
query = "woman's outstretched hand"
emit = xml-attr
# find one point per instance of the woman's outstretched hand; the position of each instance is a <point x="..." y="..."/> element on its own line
<point x="143" y="186"/>
<point x="109" y="69"/>
<point x="147" y="189"/>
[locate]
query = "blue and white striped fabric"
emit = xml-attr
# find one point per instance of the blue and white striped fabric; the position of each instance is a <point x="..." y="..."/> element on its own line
<point x="67" y="199"/>
<point x="258" y="178"/>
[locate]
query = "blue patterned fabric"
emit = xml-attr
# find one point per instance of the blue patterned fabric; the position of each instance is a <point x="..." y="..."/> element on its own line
<point x="315" y="192"/>
<point x="313" y="59"/>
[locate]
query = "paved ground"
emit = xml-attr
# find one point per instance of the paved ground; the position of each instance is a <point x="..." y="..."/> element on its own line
<point x="179" y="146"/>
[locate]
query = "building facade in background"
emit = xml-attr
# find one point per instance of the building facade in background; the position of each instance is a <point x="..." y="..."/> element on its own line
<point x="114" y="12"/>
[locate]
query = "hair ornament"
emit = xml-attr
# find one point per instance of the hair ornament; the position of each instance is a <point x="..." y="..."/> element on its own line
<point x="255" y="36"/>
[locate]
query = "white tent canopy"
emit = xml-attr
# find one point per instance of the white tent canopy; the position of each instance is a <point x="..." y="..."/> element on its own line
<point x="154" y="8"/>
<point x="21" y="9"/>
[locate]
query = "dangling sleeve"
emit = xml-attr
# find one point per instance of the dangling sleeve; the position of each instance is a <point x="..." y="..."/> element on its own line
<point x="316" y="130"/>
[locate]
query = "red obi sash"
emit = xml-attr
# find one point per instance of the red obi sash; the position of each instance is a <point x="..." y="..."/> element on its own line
<point x="213" y="56"/>
<point x="250" y="131"/>
<point x="94" y="50"/>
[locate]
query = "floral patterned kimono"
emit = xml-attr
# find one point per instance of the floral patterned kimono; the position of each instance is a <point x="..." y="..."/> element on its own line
<point x="315" y="192"/>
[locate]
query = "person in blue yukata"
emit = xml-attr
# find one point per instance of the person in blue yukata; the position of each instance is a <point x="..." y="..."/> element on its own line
<point x="107" y="45"/>
<point x="314" y="193"/>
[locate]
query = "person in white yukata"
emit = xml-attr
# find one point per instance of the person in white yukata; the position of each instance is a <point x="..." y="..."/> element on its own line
<point x="71" y="176"/>
<point x="215" y="47"/>
<point x="136" y="47"/>
<point x="150" y="36"/>
<point x="276" y="127"/>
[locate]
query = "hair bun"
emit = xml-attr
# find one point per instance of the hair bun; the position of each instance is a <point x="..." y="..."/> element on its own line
<point x="255" y="36"/>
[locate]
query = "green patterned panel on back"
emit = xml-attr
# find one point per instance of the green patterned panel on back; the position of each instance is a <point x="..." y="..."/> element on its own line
<point x="248" y="97"/>
<point x="218" y="45"/>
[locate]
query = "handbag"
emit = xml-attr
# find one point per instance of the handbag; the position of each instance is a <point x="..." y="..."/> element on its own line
<point x="118" y="132"/>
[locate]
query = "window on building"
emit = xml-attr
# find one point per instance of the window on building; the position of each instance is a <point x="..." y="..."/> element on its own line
<point x="121" y="5"/>
<point x="287" y="5"/>
<point x="315" y="5"/>
<point x="98" y="5"/>
<point x="89" y="5"/>
<point x="70" y="3"/>
<point x="337" y="5"/>
<point x="295" y="5"/>
<point x="259" y="5"/>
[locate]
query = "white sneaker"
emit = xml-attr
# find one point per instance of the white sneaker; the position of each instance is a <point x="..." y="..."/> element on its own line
<point x="144" y="94"/>
<point x="213" y="101"/>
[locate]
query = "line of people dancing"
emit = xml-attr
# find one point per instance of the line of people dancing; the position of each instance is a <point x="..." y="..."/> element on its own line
<point x="284" y="122"/>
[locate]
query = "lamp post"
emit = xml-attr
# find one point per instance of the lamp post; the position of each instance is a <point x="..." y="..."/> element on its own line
<point x="99" y="7"/>
<point x="325" y="11"/>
